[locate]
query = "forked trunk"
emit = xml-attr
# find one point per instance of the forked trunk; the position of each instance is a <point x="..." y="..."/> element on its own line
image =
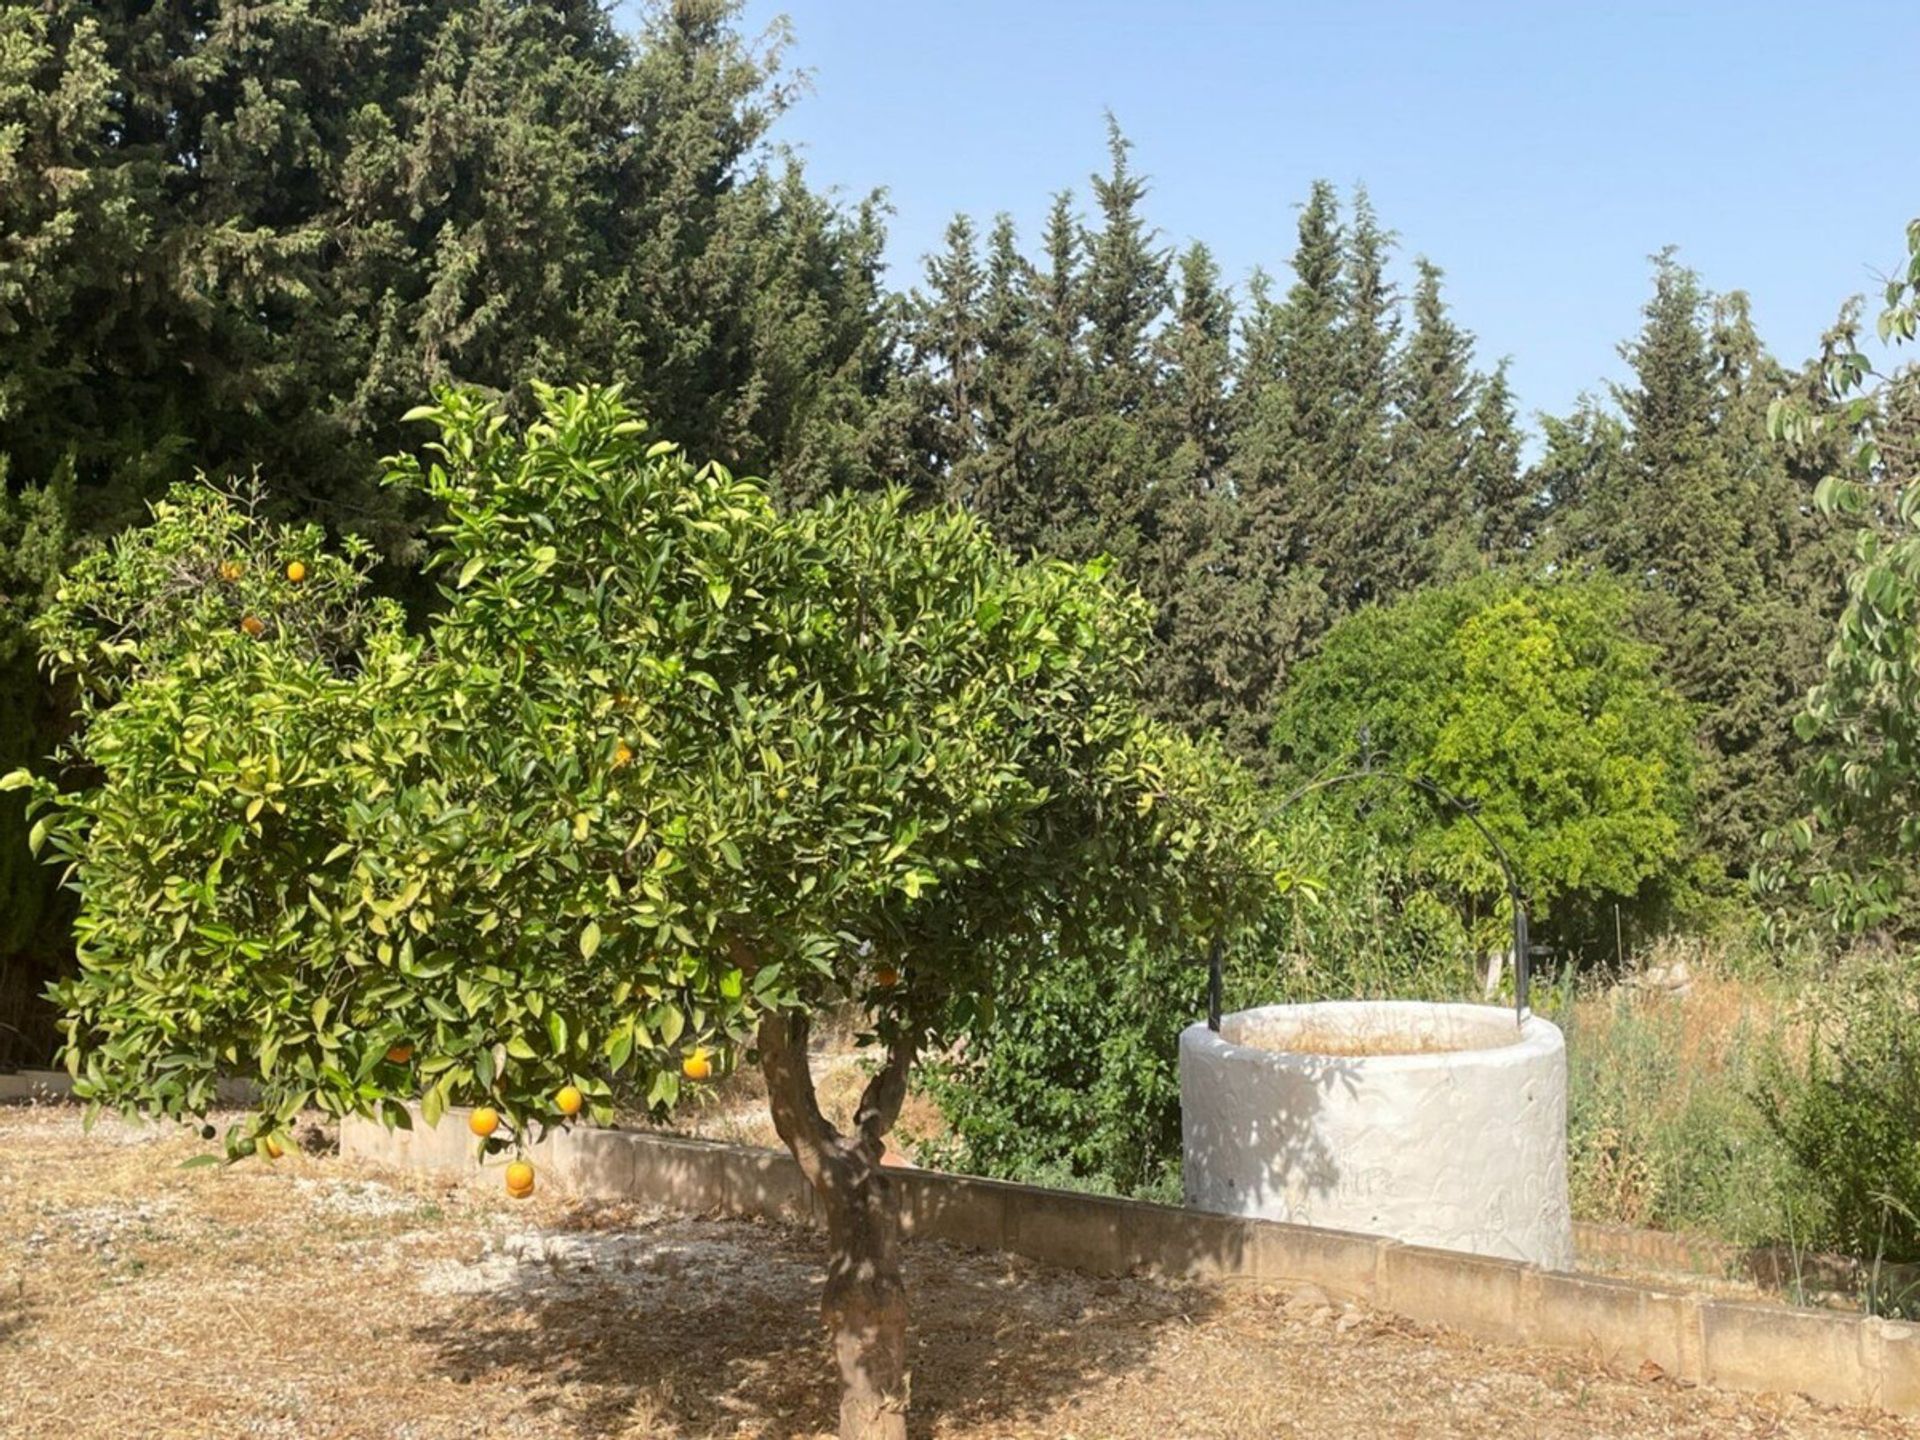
<point x="865" y="1304"/>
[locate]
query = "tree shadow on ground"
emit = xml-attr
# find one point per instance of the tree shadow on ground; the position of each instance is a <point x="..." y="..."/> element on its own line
<point x="622" y="1322"/>
<point x="698" y="1328"/>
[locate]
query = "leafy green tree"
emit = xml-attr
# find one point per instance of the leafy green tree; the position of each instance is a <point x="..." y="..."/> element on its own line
<point x="1079" y="1084"/>
<point x="1533" y="703"/>
<point x="35" y="543"/>
<point x="1855" y="849"/>
<point x="668" y="773"/>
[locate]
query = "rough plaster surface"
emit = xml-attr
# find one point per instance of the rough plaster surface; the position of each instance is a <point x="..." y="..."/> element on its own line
<point x="1451" y="1133"/>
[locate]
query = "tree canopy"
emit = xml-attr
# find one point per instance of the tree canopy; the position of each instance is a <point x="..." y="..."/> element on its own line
<point x="1532" y="702"/>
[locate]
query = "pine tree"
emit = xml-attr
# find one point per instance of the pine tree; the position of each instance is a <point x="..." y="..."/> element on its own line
<point x="1201" y="675"/>
<point x="1288" y="453"/>
<point x="1793" y="575"/>
<point x="1125" y="288"/>
<point x="1009" y="404"/>
<point x="1194" y="420"/>
<point x="1059" y="310"/>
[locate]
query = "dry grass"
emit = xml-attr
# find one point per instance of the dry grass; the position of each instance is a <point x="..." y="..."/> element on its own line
<point x="311" y="1299"/>
<point x="1664" y="1129"/>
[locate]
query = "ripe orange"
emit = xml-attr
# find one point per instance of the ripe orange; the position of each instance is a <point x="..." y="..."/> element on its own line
<point x="484" y="1121"/>
<point x="231" y="570"/>
<point x="272" y="1147"/>
<point x="296" y="572"/>
<point x="400" y="1054"/>
<point x="622" y="753"/>
<point x="697" y="1066"/>
<point x="520" y="1179"/>
<point x="886" y="977"/>
<point x="254" y="626"/>
<point x="569" y="1100"/>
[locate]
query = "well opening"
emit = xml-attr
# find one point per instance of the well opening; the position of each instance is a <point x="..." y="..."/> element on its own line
<point x="1351" y="1031"/>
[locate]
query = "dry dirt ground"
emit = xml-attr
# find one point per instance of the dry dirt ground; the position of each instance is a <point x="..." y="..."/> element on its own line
<point x="308" y="1298"/>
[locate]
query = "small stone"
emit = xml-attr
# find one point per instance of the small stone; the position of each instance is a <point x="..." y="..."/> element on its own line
<point x="1305" y="1300"/>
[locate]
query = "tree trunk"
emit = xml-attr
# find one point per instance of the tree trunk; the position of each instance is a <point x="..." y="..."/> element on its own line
<point x="865" y="1304"/>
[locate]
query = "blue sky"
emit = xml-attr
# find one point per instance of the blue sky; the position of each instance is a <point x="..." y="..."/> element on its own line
<point x="1539" y="152"/>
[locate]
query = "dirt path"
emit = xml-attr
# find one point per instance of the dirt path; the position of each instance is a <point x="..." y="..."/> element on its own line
<point x="311" y="1299"/>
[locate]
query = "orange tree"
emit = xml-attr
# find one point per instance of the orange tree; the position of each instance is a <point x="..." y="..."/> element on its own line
<point x="667" y="773"/>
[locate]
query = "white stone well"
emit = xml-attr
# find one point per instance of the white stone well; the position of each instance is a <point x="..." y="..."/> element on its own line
<point x="1440" y="1125"/>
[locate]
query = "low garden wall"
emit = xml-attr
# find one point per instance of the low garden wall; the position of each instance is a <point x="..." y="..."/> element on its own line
<point x="1835" y="1358"/>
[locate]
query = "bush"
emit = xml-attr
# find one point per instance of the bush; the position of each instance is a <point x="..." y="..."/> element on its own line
<point x="1078" y="1084"/>
<point x="1850" y="1118"/>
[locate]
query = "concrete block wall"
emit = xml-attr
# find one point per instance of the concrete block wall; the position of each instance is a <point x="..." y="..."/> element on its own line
<point x="1841" y="1359"/>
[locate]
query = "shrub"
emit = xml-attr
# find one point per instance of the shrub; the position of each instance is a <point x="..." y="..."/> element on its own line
<point x="1850" y="1115"/>
<point x="1080" y="1081"/>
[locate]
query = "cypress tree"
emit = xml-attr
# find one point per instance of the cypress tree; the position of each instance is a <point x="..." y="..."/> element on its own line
<point x="947" y="342"/>
<point x="1714" y="528"/>
<point x="1430" y="529"/>
<point x="1365" y="523"/>
<point x="1506" y="507"/>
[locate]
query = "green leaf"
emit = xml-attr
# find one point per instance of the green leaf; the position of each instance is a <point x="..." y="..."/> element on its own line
<point x="619" y="1047"/>
<point x="670" y="1022"/>
<point x="590" y="940"/>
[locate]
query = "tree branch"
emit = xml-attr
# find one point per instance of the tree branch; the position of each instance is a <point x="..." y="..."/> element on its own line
<point x="790" y="1096"/>
<point x="880" y="1102"/>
